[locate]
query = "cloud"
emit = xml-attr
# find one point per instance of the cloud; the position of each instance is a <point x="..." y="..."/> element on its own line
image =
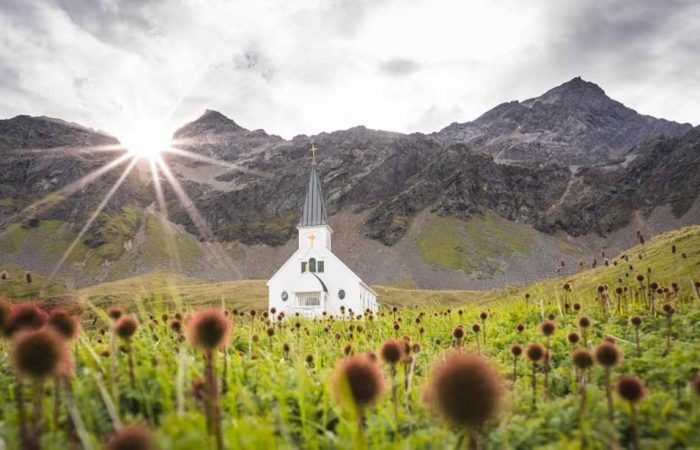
<point x="305" y="67"/>
<point x="399" y="66"/>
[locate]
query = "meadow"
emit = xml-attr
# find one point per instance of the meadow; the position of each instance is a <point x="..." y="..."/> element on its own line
<point x="202" y="366"/>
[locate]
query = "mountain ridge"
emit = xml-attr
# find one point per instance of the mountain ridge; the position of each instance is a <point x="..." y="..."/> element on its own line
<point x="390" y="186"/>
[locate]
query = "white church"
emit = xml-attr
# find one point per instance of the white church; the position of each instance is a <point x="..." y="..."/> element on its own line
<point x="313" y="279"/>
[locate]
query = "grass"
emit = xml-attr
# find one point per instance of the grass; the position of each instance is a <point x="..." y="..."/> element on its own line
<point x="472" y="245"/>
<point x="253" y="293"/>
<point x="274" y="399"/>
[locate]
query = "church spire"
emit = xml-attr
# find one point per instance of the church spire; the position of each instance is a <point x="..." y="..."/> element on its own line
<point x="314" y="212"/>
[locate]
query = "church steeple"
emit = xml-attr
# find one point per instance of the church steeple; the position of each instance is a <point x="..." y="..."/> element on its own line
<point x="314" y="212"/>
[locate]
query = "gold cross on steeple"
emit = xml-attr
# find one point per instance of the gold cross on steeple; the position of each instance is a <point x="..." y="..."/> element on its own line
<point x="313" y="151"/>
<point x="312" y="238"/>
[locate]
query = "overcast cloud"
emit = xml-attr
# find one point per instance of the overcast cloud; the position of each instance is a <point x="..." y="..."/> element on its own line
<point x="302" y="66"/>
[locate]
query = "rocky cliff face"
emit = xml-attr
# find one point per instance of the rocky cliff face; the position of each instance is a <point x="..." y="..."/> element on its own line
<point x="572" y="161"/>
<point x="572" y="124"/>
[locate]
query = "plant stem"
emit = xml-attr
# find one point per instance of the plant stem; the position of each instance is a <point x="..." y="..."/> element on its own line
<point x="633" y="427"/>
<point x="34" y="441"/>
<point x="608" y="395"/>
<point x="213" y="400"/>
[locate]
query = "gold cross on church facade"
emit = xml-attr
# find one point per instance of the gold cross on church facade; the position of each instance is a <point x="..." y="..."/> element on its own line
<point x="312" y="238"/>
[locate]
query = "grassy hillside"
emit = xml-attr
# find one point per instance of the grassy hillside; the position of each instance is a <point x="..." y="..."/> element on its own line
<point x="656" y="254"/>
<point x="275" y="379"/>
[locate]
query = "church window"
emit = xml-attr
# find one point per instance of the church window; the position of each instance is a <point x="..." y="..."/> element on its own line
<point x="285" y="296"/>
<point x="312" y="265"/>
<point x="341" y="294"/>
<point x="320" y="267"/>
<point x="303" y="266"/>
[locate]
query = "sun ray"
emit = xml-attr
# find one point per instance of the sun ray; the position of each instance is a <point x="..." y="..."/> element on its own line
<point x="213" y="161"/>
<point x="51" y="199"/>
<point x="94" y="215"/>
<point x="202" y="228"/>
<point x="163" y="216"/>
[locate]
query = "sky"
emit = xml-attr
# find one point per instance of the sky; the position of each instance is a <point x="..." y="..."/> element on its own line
<point x="303" y="66"/>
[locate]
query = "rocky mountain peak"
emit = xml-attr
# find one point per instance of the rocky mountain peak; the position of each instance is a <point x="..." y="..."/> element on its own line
<point x="575" y="123"/>
<point x="211" y="122"/>
<point x="23" y="132"/>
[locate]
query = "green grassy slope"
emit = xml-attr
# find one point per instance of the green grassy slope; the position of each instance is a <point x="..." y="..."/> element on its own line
<point x="656" y="254"/>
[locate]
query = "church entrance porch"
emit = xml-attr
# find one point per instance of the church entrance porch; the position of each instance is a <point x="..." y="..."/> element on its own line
<point x="309" y="304"/>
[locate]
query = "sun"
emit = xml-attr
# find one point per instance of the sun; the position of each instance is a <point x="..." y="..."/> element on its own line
<point x="144" y="142"/>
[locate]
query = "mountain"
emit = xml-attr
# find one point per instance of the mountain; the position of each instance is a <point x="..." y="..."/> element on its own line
<point x="528" y="190"/>
<point x="572" y="124"/>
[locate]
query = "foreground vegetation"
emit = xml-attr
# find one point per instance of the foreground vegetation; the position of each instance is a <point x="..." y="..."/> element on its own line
<point x="274" y="382"/>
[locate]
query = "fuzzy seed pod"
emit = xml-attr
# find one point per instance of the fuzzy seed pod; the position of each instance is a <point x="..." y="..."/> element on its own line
<point x="125" y="327"/>
<point x="608" y="355"/>
<point x="476" y="328"/>
<point x="484" y="315"/>
<point x="516" y="350"/>
<point x="465" y="390"/>
<point x="209" y="329"/>
<point x="548" y="327"/>
<point x="535" y="352"/>
<point x="361" y="377"/>
<point x="695" y="384"/>
<point x="176" y="326"/>
<point x="25" y="316"/>
<point x="65" y="324"/>
<point x="115" y="312"/>
<point x="582" y="358"/>
<point x="573" y="337"/>
<point x="520" y="328"/>
<point x="636" y="321"/>
<point x="630" y="388"/>
<point x="132" y="437"/>
<point x="39" y="353"/>
<point x="458" y="332"/>
<point x="584" y="322"/>
<point x="392" y="351"/>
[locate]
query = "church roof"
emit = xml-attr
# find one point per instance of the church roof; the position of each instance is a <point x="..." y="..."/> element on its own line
<point x="310" y="282"/>
<point x="314" y="212"/>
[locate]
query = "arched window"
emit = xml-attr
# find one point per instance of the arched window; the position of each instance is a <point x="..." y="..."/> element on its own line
<point x="312" y="265"/>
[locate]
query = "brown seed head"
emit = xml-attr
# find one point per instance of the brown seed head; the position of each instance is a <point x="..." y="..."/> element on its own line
<point x="535" y="352"/>
<point x="630" y="388"/>
<point x="209" y="329"/>
<point x="39" y="353"/>
<point x="25" y="316"/>
<point x="115" y="312"/>
<point x="65" y="324"/>
<point x="466" y="390"/>
<point x="548" y="327"/>
<point x="695" y="384"/>
<point x="132" y="437"/>
<point x="125" y="327"/>
<point x="636" y="321"/>
<point x="458" y="332"/>
<point x="361" y="377"/>
<point x="582" y="358"/>
<point x="607" y="354"/>
<point x="584" y="322"/>
<point x="573" y="337"/>
<point x="392" y="351"/>
<point x="516" y="350"/>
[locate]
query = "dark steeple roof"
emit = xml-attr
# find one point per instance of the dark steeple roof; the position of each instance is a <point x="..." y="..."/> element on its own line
<point x="314" y="212"/>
